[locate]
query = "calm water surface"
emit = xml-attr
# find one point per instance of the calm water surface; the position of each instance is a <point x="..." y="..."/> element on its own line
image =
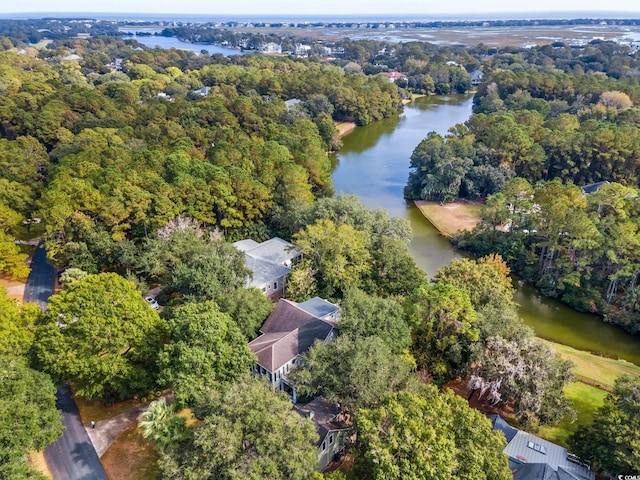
<point x="374" y="164"/>
<point x="171" y="42"/>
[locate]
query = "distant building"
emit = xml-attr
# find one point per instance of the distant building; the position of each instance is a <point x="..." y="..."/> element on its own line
<point x="302" y="50"/>
<point x="593" y="187"/>
<point x="272" y="47"/>
<point x="394" y="76"/>
<point x="204" y="91"/>
<point x="71" y="58"/>
<point x="292" y="102"/>
<point x="533" y="458"/>
<point x="476" y="77"/>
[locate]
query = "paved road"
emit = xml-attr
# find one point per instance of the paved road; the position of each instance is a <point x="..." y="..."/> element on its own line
<point x="72" y="456"/>
<point x="41" y="281"/>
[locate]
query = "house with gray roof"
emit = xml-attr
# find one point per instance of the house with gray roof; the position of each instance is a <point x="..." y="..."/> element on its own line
<point x="476" y="77"/>
<point x="269" y="262"/>
<point x="333" y="432"/>
<point x="289" y="332"/>
<point x="533" y="458"/>
<point x="593" y="187"/>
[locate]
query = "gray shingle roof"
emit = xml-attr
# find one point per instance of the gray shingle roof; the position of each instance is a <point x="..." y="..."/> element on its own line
<point x="288" y="316"/>
<point x="593" y="187"/>
<point x="264" y="271"/>
<point x="268" y="261"/>
<point x="499" y="424"/>
<point x="275" y="349"/>
<point x="244" y="245"/>
<point x="275" y="250"/>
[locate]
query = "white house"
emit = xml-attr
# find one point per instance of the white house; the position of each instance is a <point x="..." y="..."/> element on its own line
<point x="270" y="263"/>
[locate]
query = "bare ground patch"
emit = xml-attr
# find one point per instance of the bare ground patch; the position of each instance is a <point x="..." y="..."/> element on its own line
<point x="345" y="127"/>
<point x="451" y="218"/>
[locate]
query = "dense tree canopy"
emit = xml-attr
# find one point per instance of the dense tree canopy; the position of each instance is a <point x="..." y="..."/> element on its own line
<point x="17" y="325"/>
<point x="370" y="316"/>
<point x="526" y="374"/>
<point x="357" y="373"/>
<point x="443" y="324"/>
<point x="205" y="348"/>
<point x="101" y="335"/>
<point x="248" y="430"/>
<point x="30" y="420"/>
<point x="428" y="435"/>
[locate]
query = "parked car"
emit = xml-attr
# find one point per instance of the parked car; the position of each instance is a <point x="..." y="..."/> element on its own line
<point x="152" y="302"/>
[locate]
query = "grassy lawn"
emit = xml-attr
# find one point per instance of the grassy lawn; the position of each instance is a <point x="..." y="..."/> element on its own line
<point x="131" y="456"/>
<point x="451" y="218"/>
<point x="586" y="401"/>
<point x="592" y="372"/>
<point x="595" y="370"/>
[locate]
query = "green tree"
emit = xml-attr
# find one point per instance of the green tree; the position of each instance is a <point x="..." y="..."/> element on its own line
<point x="425" y="436"/>
<point x="369" y="316"/>
<point x="443" y="323"/>
<point x="101" y="335"/>
<point x="17" y="325"/>
<point x="355" y="372"/>
<point x="72" y="275"/>
<point x="12" y="259"/>
<point x="28" y="409"/>
<point x="488" y="283"/>
<point x="337" y="254"/>
<point x="611" y="440"/>
<point x="205" y="348"/>
<point x="208" y="270"/>
<point x="394" y="271"/>
<point x="248" y="307"/>
<point x="248" y="430"/>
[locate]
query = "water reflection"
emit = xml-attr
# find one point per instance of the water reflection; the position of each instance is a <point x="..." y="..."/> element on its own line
<point x="374" y="164"/>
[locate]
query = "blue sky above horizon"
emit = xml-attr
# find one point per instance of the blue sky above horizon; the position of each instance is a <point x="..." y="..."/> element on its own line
<point x="315" y="7"/>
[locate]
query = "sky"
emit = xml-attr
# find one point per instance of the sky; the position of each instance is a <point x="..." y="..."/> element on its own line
<point x="326" y="7"/>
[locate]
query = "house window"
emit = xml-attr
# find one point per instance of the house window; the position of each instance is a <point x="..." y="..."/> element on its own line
<point x="324" y="445"/>
<point x="275" y="285"/>
<point x="264" y="289"/>
<point x="331" y="439"/>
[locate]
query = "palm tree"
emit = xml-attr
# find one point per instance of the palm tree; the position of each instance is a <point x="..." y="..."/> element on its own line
<point x="161" y="425"/>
